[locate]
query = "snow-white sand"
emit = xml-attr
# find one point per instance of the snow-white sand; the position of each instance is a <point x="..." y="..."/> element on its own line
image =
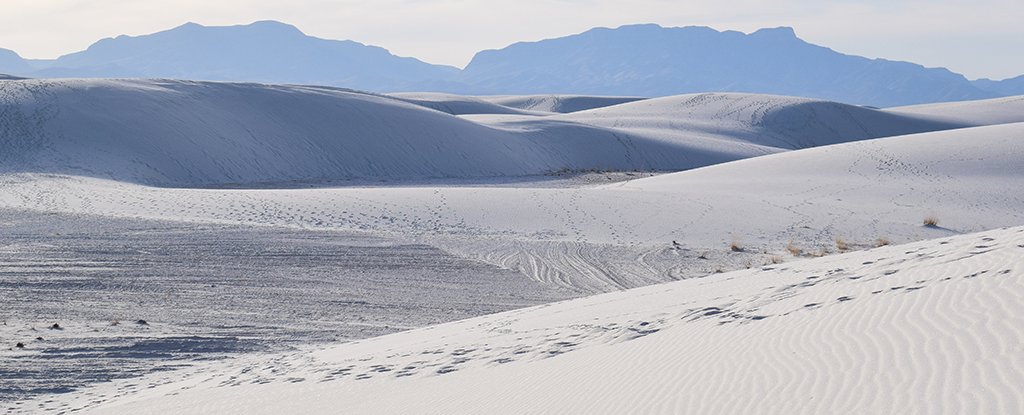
<point x="929" y="327"/>
<point x="595" y="238"/>
<point x="763" y="120"/>
<point x="982" y="112"/>
<point x="557" y="103"/>
<point x="458" y="104"/>
<point x="773" y="180"/>
<point x="202" y="134"/>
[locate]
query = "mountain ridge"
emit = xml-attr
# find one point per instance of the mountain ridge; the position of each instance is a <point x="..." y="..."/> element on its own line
<point x="630" y="60"/>
<point x="263" y="51"/>
<point x="651" y="60"/>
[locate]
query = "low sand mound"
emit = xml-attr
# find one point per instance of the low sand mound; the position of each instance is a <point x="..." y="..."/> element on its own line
<point x="859" y="191"/>
<point x="762" y="120"/>
<point x="984" y="112"/>
<point x="557" y="103"/>
<point x="458" y="104"/>
<point x="928" y="327"/>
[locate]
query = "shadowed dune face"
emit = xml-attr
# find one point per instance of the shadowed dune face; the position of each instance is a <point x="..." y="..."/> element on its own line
<point x="510" y="104"/>
<point x="197" y="134"/>
<point x="562" y="104"/>
<point x="984" y="112"/>
<point x="202" y="134"/>
<point x="785" y="123"/>
<point x="817" y="123"/>
<point x="458" y="105"/>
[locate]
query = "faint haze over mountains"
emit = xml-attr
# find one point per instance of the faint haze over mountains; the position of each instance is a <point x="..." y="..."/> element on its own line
<point x="977" y="38"/>
<point x="640" y="60"/>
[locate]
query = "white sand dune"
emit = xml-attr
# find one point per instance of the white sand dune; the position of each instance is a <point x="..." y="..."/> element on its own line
<point x="736" y="125"/>
<point x="196" y="133"/>
<point x="930" y="327"/>
<point x="983" y="112"/>
<point x="459" y="105"/>
<point x="200" y="134"/>
<point x="763" y="120"/>
<point x="557" y="103"/>
<point x="616" y="236"/>
<point x="539" y="105"/>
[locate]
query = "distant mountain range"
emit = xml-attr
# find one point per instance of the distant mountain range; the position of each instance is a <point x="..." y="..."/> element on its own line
<point x="266" y="51"/>
<point x="650" y="60"/>
<point x="636" y="60"/>
<point x="1006" y="87"/>
<point x="11" y="63"/>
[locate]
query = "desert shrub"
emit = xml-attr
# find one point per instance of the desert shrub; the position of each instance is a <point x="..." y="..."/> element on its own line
<point x="820" y="253"/>
<point x="735" y="246"/>
<point x="842" y="245"/>
<point x="793" y="249"/>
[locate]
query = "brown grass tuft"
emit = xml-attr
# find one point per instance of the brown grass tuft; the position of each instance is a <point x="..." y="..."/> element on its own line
<point x="883" y="241"/>
<point x="734" y="246"/>
<point x="931" y="221"/>
<point x="841" y="244"/>
<point x="793" y="249"/>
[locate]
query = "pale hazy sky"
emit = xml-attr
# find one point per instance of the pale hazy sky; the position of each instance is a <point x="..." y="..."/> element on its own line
<point x="980" y="38"/>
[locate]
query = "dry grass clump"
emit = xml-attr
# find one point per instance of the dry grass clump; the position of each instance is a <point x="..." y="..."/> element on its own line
<point x="841" y="244"/>
<point x="734" y="246"/>
<point x="882" y="241"/>
<point x="819" y="253"/>
<point x="793" y="249"/>
<point x="775" y="259"/>
<point x="931" y="221"/>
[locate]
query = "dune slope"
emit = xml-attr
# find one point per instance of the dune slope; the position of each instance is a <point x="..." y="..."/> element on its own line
<point x="765" y="120"/>
<point x="194" y="134"/>
<point x="203" y="134"/>
<point x="557" y="103"/>
<point x="458" y="104"/>
<point x="601" y="238"/>
<point x="982" y="112"/>
<point x="926" y="327"/>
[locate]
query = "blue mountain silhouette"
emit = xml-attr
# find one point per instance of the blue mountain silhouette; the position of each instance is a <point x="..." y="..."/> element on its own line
<point x="633" y="60"/>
